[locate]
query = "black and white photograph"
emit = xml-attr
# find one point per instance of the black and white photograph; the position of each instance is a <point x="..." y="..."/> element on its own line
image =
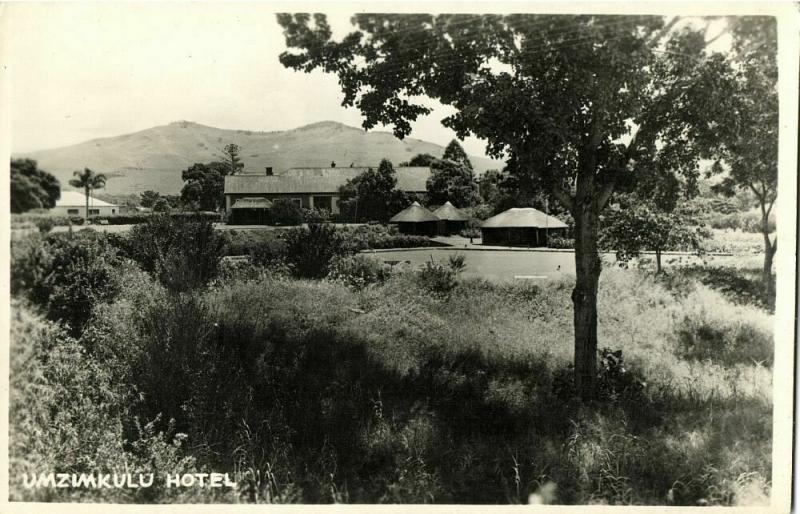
<point x="462" y="254"/>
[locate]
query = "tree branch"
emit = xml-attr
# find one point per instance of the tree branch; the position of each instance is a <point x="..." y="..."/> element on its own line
<point x="562" y="196"/>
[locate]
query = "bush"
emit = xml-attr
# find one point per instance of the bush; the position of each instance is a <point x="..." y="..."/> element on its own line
<point x="358" y="271"/>
<point x="113" y="219"/>
<point x="315" y="215"/>
<point x="440" y="278"/>
<point x="472" y="232"/>
<point x="309" y="250"/>
<point x="181" y="252"/>
<point x="560" y="242"/>
<point x="45" y="225"/>
<point x="377" y="236"/>
<point x="286" y="212"/>
<point x="66" y="275"/>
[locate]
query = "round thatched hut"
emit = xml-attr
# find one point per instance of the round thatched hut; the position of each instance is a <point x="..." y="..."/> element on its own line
<point x="416" y="220"/>
<point x="454" y="219"/>
<point x="521" y="227"/>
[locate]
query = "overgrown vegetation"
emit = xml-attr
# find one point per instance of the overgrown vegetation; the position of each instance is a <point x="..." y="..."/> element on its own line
<point x="380" y="386"/>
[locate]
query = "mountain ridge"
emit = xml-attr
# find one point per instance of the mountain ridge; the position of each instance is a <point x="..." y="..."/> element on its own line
<point x="153" y="158"/>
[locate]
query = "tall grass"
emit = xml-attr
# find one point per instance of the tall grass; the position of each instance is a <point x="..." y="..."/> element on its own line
<point x="314" y="391"/>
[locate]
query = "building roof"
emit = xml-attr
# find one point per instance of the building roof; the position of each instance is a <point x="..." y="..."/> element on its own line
<point x="414" y="213"/>
<point x="318" y="180"/>
<point x="449" y="212"/>
<point x="250" y="202"/>
<point x="523" y="217"/>
<point x="76" y="199"/>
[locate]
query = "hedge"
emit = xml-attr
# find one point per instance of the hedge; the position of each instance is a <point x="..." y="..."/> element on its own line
<point x="115" y="219"/>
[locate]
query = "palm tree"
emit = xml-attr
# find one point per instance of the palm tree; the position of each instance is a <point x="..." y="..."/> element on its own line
<point x="88" y="180"/>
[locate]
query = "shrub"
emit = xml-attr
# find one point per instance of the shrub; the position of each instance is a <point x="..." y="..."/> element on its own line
<point x="358" y="271"/>
<point x="439" y="278"/>
<point x="315" y="215"/>
<point x="286" y="212"/>
<point x="66" y="275"/>
<point x="45" y="225"/>
<point x="309" y="250"/>
<point x="560" y="242"/>
<point x="181" y="252"/>
<point x="377" y="236"/>
<point x="471" y="232"/>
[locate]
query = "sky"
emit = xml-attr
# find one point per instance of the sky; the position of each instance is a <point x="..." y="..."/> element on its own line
<point x="86" y="70"/>
<point x="82" y="71"/>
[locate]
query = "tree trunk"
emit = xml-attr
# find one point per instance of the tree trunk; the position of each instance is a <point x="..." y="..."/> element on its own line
<point x="658" y="261"/>
<point x="86" y="212"/>
<point x="769" y="253"/>
<point x="584" y="299"/>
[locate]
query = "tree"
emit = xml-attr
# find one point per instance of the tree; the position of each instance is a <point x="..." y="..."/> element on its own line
<point x="579" y="102"/>
<point x="148" y="198"/>
<point x="162" y="205"/>
<point x="204" y="187"/>
<point x="454" y="152"/>
<point x="88" y="180"/>
<point x="232" y="159"/>
<point x="421" y="159"/>
<point x="637" y="225"/>
<point x="286" y="212"/>
<point x="32" y="188"/>
<point x="750" y="138"/>
<point x="371" y="195"/>
<point x="451" y="181"/>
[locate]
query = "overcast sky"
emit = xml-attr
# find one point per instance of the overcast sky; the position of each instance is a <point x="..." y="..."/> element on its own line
<point x="81" y="71"/>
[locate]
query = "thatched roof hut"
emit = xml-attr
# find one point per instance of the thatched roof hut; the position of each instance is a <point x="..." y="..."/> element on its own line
<point x="416" y="219"/>
<point x="454" y="219"/>
<point x="521" y="227"/>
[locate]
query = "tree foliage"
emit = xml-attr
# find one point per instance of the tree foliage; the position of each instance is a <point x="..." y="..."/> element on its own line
<point x="88" y="180"/>
<point x="148" y="198"/>
<point x="204" y="187"/>
<point x="578" y="104"/>
<point x="636" y="226"/>
<point x="749" y="139"/>
<point x="32" y="188"/>
<point x="231" y="158"/>
<point x="372" y="195"/>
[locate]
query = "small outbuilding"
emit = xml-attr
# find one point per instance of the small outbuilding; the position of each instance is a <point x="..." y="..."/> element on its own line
<point x="73" y="203"/>
<point x="250" y="210"/>
<point x="416" y="220"/>
<point x="454" y="220"/>
<point x="521" y="227"/>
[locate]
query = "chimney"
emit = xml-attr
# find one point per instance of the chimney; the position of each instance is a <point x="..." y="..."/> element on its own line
<point x="269" y="171"/>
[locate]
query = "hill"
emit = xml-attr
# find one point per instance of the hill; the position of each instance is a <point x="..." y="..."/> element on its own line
<point x="154" y="158"/>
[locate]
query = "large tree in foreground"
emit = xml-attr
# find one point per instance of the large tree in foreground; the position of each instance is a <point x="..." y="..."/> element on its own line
<point x="580" y="101"/>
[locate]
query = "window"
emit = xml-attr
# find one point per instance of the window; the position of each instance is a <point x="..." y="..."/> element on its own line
<point x="73" y="211"/>
<point x="297" y="201"/>
<point x="113" y="211"/>
<point x="94" y="211"/>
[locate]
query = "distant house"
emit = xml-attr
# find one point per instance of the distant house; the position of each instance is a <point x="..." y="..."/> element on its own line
<point x="416" y="219"/>
<point x="521" y="227"/>
<point x="454" y="219"/>
<point x="73" y="203"/>
<point x="309" y="187"/>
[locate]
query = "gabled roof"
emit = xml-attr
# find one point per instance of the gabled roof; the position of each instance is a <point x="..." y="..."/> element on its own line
<point x="250" y="202"/>
<point x="76" y="199"/>
<point x="523" y="217"/>
<point x="449" y="212"/>
<point x="414" y="213"/>
<point x="318" y="180"/>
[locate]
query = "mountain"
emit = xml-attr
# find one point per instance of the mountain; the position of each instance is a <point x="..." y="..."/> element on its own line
<point x="154" y="158"/>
